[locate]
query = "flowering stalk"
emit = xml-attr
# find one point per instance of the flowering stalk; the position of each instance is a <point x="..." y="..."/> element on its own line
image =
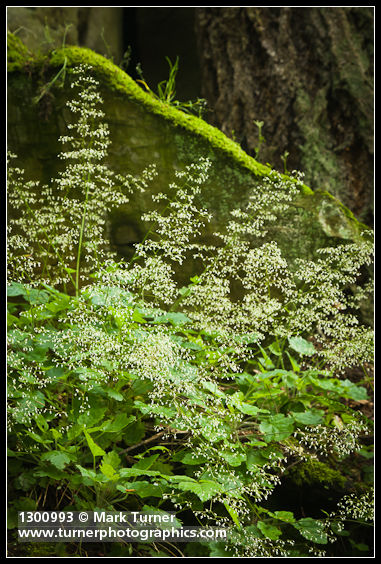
<point x="81" y="237"/>
<point x="70" y="212"/>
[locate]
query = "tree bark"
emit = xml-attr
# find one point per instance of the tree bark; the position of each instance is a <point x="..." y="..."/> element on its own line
<point x="307" y="73"/>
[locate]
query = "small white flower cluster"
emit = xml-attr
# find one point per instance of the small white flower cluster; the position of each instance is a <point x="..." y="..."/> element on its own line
<point x="311" y="297"/>
<point x="21" y="261"/>
<point x="60" y="229"/>
<point x="342" y="440"/>
<point x="247" y="544"/>
<point x="171" y="238"/>
<point x="354" y="506"/>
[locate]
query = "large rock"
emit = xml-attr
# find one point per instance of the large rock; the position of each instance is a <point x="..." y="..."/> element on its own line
<point x="144" y="131"/>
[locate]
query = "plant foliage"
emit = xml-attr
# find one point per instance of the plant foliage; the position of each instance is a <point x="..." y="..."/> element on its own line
<point x="127" y="391"/>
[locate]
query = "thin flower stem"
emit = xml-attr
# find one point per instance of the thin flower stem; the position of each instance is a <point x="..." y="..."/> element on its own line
<point x="81" y="233"/>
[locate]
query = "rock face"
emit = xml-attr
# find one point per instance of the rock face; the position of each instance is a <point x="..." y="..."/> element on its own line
<point x="145" y="131"/>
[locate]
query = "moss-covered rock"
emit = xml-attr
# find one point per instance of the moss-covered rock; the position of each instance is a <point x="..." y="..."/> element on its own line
<point x="145" y="130"/>
<point x="18" y="55"/>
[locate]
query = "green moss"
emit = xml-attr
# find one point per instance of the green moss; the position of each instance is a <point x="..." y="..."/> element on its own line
<point x="189" y="130"/>
<point x="116" y="79"/>
<point x="315" y="472"/>
<point x="17" y="53"/>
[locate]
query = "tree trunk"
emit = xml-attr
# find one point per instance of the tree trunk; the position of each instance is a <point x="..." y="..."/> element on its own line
<point x="307" y="74"/>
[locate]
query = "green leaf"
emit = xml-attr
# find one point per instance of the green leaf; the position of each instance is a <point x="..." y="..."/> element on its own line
<point x="329" y="384"/>
<point x="344" y="388"/>
<point x="12" y="319"/>
<point x="52" y="472"/>
<point x="191" y="345"/>
<point x="87" y="473"/>
<point x="92" y="416"/>
<point x="147" y="462"/>
<point x="25" y="481"/>
<point x="95" y="449"/>
<point x="243" y="407"/>
<point x="294" y="364"/>
<point x="246" y="338"/>
<point x="254" y="458"/>
<point x="249" y="409"/>
<point x="60" y="303"/>
<point x="233" y="514"/>
<point x="56" y="434"/>
<point x="354" y="392"/>
<point x="41" y="423"/>
<point x="35" y="296"/>
<point x="128" y="472"/>
<point x="16" y="289"/>
<point x="291" y="379"/>
<point x="286" y="516"/>
<point x="58" y="458"/>
<point x="36" y="437"/>
<point x="176" y="522"/>
<point x="312" y="530"/>
<point x="184" y="291"/>
<point x="136" y="316"/>
<point x="275" y="348"/>
<point x="142" y="489"/>
<point x="277" y="427"/>
<point x="108" y="471"/>
<point x="55" y="373"/>
<point x="175" y="318"/>
<point x="156" y="409"/>
<point x="301" y="346"/>
<point x="115" y="425"/>
<point x="134" y="433"/>
<point x="112" y="458"/>
<point x="233" y="458"/>
<point x="311" y="417"/>
<point x="193" y="459"/>
<point x="114" y="394"/>
<point x="205" y="489"/>
<point x="269" y="531"/>
<point x="212" y="387"/>
<point x="266" y="362"/>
